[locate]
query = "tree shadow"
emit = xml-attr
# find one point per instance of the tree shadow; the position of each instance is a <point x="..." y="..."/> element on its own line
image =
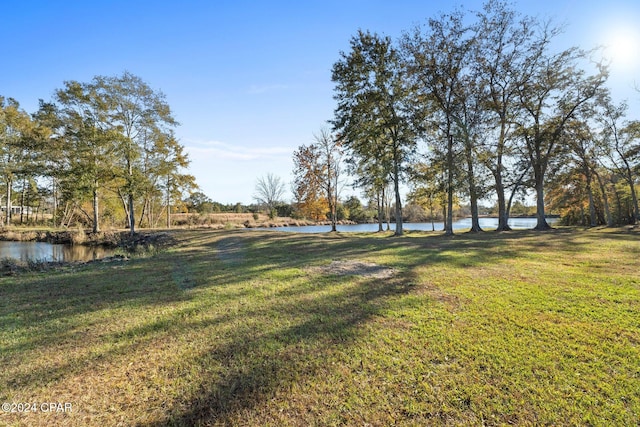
<point x="272" y="344"/>
<point x="255" y="365"/>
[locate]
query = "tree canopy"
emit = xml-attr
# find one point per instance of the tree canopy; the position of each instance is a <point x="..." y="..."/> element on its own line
<point x="492" y="108"/>
<point x="96" y="143"/>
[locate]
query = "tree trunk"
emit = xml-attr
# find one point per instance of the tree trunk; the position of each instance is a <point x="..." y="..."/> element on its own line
<point x="605" y="200"/>
<point x="55" y="201"/>
<point x="618" y="204"/>
<point x="634" y="197"/>
<point x="396" y="185"/>
<point x="125" y="207"/>
<point x="380" y="202"/>
<point x="22" y="200"/>
<point x="96" y="215"/>
<point x="540" y="214"/>
<point x="593" y="221"/>
<point x="433" y="224"/>
<point x="503" y="211"/>
<point x="332" y="210"/>
<point x="398" y="210"/>
<point x="132" y="218"/>
<point x="145" y="206"/>
<point x="628" y="176"/>
<point x="444" y="217"/>
<point x="8" y="203"/>
<point x="503" y="214"/>
<point x="448" y="222"/>
<point x="473" y="194"/>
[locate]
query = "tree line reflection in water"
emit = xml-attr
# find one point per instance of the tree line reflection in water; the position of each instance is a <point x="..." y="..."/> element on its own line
<point x="48" y="252"/>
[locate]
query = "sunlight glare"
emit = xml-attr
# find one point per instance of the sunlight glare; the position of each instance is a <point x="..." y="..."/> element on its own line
<point x="623" y="49"/>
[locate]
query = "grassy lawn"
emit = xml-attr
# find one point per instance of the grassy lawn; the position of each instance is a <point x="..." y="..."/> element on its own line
<point x="251" y="328"/>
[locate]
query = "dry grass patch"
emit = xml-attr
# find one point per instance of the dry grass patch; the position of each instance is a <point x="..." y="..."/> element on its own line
<point x="354" y="268"/>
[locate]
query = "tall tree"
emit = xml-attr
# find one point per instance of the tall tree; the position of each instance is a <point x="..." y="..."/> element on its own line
<point x="372" y="173"/>
<point x="373" y="116"/>
<point x="469" y="124"/>
<point x="581" y="147"/>
<point x="505" y="43"/>
<point x="438" y="56"/>
<point x="329" y="147"/>
<point x="317" y="169"/>
<point x="140" y="116"/>
<point x="623" y="146"/>
<point x="557" y="89"/>
<point x="428" y="190"/>
<point x="50" y="151"/>
<point x="86" y="141"/>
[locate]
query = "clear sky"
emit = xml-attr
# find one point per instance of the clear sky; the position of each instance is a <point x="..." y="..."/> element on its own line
<point x="250" y="81"/>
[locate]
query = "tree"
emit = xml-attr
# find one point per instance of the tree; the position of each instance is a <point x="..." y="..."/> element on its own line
<point x="623" y="146"/>
<point x="269" y="192"/>
<point x="548" y="100"/>
<point x="86" y="142"/>
<point x="373" y="176"/>
<point x="138" y="117"/>
<point x="18" y="136"/>
<point x="164" y="161"/>
<point x="356" y="211"/>
<point x="436" y="65"/>
<point x="468" y="123"/>
<point x="317" y="176"/>
<point x="50" y="151"/>
<point x="373" y="116"/>
<point x="427" y="189"/>
<point x="116" y="133"/>
<point x="505" y="43"/>
<point x="199" y="202"/>
<point x="308" y="190"/>
<point x="582" y="155"/>
<point x="329" y="167"/>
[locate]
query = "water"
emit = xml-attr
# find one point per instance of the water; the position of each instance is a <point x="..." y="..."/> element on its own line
<point x="49" y="252"/>
<point x="462" y="224"/>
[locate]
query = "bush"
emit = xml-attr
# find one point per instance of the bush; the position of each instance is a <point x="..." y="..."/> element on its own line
<point x="79" y="237"/>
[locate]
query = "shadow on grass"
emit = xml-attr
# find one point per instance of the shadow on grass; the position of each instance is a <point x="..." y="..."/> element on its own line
<point x="278" y="339"/>
<point x="255" y="363"/>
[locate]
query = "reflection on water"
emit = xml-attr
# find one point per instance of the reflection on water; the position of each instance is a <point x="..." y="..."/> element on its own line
<point x="42" y="251"/>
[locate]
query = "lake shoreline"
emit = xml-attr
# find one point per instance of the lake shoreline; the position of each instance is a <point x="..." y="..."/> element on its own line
<point x="110" y="239"/>
<point x="60" y="237"/>
<point x="64" y="249"/>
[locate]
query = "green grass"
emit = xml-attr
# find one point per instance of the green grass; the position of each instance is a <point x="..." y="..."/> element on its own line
<point x="238" y="328"/>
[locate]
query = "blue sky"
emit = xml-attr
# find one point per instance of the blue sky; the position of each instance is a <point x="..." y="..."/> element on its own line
<point x="249" y="81"/>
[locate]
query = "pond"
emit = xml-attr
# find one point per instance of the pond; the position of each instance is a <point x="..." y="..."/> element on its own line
<point x="49" y="252"/>
<point x="459" y="225"/>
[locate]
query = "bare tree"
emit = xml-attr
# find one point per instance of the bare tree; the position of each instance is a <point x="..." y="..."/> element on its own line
<point x="269" y="191"/>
